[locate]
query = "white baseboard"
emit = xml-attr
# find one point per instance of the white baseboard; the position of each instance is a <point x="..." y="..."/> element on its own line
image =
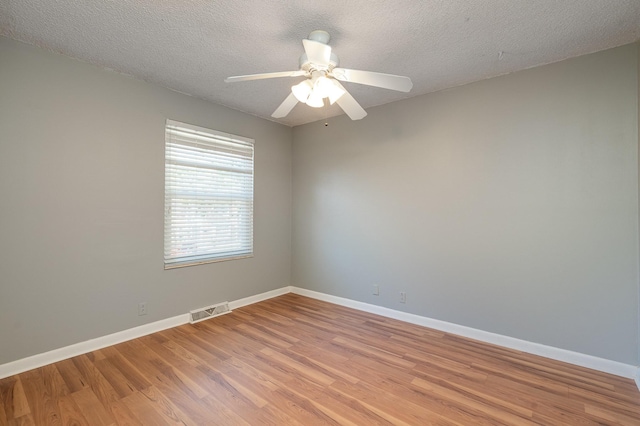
<point x="259" y="297"/>
<point x="576" y="358"/>
<point x="39" y="360"/>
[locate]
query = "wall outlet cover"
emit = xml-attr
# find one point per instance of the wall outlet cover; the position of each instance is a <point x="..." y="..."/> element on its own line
<point x="142" y="308"/>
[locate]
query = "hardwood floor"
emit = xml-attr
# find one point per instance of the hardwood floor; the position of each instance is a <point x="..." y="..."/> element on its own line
<point x="297" y="361"/>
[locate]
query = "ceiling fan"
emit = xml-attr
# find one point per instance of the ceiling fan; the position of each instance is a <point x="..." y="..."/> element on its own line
<point x="320" y="65"/>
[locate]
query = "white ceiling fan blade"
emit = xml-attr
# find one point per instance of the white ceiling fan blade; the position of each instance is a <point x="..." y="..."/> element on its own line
<point x="386" y="81"/>
<point x="285" y="107"/>
<point x="318" y="53"/>
<point x="237" y="78"/>
<point x="350" y="106"/>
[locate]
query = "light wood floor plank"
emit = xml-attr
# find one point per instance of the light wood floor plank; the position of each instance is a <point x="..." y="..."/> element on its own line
<point x="71" y="412"/>
<point x="292" y="360"/>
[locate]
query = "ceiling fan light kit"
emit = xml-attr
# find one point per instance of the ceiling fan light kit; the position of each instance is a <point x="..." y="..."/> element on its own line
<point x="315" y="100"/>
<point x="313" y="92"/>
<point x="302" y="90"/>
<point x="320" y="65"/>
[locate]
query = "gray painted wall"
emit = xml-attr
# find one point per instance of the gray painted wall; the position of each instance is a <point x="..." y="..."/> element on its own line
<point x="508" y="205"/>
<point x="81" y="203"/>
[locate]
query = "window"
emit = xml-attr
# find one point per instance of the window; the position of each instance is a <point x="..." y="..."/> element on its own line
<point x="208" y="196"/>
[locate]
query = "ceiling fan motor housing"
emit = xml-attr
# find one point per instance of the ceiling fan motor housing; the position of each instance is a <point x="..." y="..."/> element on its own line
<point x="323" y="37"/>
<point x="308" y="66"/>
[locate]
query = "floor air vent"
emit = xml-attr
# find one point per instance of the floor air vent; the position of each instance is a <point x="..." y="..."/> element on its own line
<point x="208" y="312"/>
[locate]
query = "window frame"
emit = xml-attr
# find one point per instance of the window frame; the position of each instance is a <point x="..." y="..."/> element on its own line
<point x="216" y="142"/>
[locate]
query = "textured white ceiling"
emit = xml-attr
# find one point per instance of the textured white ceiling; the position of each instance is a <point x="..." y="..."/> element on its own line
<point x="191" y="46"/>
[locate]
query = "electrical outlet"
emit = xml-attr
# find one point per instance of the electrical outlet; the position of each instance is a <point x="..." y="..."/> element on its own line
<point x="403" y="297"/>
<point x="376" y="290"/>
<point x="142" y="308"/>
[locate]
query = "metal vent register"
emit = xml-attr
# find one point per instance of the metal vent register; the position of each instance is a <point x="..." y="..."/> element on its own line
<point x="207" y="312"/>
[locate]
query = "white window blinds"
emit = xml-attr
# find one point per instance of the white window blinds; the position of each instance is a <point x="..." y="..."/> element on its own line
<point x="208" y="207"/>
